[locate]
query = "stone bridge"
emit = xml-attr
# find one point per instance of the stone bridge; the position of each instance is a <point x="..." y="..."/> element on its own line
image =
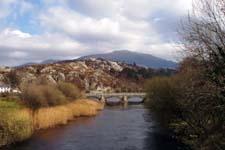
<point x="124" y="97"/>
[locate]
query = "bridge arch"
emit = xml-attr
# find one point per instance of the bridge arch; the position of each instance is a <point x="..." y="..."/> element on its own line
<point x="112" y="97"/>
<point x="135" y="100"/>
<point x="94" y="97"/>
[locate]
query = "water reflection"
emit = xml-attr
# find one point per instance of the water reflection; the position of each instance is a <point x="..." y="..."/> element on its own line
<point x="116" y="128"/>
<point x="113" y="99"/>
<point x="135" y="99"/>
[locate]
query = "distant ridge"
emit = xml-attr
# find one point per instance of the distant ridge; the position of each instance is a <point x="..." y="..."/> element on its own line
<point x="140" y="59"/>
<point x="49" y="61"/>
<point x="125" y="56"/>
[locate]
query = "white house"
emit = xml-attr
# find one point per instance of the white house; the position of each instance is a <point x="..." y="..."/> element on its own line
<point x="5" y="88"/>
<point x="16" y="90"/>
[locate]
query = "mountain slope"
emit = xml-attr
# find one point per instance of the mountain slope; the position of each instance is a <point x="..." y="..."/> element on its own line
<point x="133" y="57"/>
<point x="49" y="61"/>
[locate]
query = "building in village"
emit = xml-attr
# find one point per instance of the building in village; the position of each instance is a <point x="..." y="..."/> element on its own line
<point x="4" y="88"/>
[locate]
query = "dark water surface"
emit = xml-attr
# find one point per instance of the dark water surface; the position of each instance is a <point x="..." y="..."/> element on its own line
<point x="115" y="128"/>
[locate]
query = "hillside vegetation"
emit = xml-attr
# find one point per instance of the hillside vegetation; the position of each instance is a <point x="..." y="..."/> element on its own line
<point x="87" y="75"/>
<point x="191" y="103"/>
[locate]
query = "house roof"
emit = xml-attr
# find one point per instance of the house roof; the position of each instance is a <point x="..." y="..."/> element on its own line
<point x="4" y="86"/>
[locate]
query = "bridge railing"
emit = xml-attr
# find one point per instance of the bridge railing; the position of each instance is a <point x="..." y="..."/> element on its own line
<point x="116" y="94"/>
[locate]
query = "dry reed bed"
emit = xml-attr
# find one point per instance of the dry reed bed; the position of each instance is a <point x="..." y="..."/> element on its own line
<point x="45" y="118"/>
<point x="50" y="117"/>
<point x="16" y="125"/>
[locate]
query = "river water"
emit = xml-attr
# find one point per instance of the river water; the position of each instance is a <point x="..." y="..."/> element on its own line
<point x="115" y="128"/>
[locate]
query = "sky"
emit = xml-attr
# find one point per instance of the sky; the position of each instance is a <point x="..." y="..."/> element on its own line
<point x="37" y="30"/>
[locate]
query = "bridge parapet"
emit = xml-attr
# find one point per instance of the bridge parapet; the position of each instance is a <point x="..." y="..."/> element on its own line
<point x="115" y="94"/>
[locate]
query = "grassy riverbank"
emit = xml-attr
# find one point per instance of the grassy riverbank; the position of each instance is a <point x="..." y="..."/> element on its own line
<point x="18" y="123"/>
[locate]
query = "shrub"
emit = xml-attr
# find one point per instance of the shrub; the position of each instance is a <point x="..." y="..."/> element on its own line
<point x="12" y="78"/>
<point x="53" y="96"/>
<point x="69" y="90"/>
<point x="37" y="96"/>
<point x="33" y="96"/>
<point x="10" y="97"/>
<point x="187" y="104"/>
<point x="161" y="96"/>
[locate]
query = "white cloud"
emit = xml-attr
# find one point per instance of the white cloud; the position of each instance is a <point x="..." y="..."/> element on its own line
<point x="98" y="30"/>
<point x="135" y="9"/>
<point x="170" y="51"/>
<point x="74" y="23"/>
<point x="14" y="33"/>
<point x="18" y="43"/>
<point x="17" y="54"/>
<point x="74" y="27"/>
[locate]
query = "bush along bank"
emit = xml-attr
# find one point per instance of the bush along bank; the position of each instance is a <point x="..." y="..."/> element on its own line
<point x="40" y="107"/>
<point x="189" y="105"/>
<point x="192" y="102"/>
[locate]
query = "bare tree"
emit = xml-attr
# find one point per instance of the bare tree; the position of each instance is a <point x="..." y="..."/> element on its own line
<point x="204" y="39"/>
<point x="204" y="32"/>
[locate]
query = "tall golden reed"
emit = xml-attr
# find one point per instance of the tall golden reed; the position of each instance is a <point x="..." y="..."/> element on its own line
<point x="58" y="115"/>
<point x="20" y="124"/>
<point x="16" y="125"/>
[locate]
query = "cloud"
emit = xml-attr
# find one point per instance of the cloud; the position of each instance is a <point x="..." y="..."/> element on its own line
<point x="16" y="39"/>
<point x="8" y="7"/>
<point x="17" y="54"/>
<point x="5" y="7"/>
<point x="97" y="8"/>
<point x="170" y="51"/>
<point x="15" y="44"/>
<point x="61" y="29"/>
<point x="105" y="34"/>
<point x="14" y="33"/>
<point x="135" y="9"/>
<point x="76" y="24"/>
<point x="93" y="29"/>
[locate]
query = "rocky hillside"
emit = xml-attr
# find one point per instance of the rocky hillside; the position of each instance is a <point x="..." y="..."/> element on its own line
<point x="89" y="74"/>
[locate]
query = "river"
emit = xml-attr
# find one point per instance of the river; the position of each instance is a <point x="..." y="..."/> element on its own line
<point x="115" y="128"/>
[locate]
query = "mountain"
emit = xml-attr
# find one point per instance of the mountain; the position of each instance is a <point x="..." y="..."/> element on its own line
<point x="140" y="59"/>
<point x="26" y="65"/>
<point x="49" y="61"/>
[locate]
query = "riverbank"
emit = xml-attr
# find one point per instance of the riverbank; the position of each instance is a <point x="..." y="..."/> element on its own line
<point x="115" y="128"/>
<point x="20" y="123"/>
